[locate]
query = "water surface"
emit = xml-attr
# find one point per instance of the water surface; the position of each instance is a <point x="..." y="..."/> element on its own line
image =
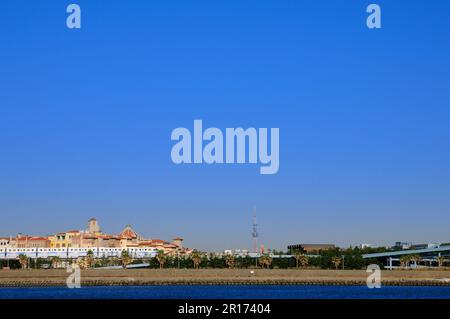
<point x="229" y="292"/>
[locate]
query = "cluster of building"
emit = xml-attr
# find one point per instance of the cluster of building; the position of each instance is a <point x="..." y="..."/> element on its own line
<point x="309" y="248"/>
<point x="93" y="237"/>
<point x="425" y="255"/>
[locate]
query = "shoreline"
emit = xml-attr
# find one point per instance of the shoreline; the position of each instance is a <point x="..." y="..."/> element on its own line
<point x="430" y="283"/>
<point x="166" y="277"/>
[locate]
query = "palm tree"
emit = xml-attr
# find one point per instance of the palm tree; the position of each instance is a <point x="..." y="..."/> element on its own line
<point x="416" y="259"/>
<point x="56" y="262"/>
<point x="440" y="260"/>
<point x="404" y="261"/>
<point x="297" y="257"/>
<point x="112" y="261"/>
<point x="304" y="261"/>
<point x="230" y="261"/>
<point x="161" y="257"/>
<point x="336" y="261"/>
<point x="265" y="261"/>
<point x="262" y="261"/>
<point x="90" y="258"/>
<point x="196" y="258"/>
<point x="268" y="261"/>
<point x="81" y="262"/>
<point x="301" y="260"/>
<point x="23" y="260"/>
<point x="125" y="258"/>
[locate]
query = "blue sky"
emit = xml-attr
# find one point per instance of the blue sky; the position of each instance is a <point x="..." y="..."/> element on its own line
<point x="86" y="117"/>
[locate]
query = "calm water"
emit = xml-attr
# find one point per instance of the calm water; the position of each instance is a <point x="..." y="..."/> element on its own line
<point x="226" y="292"/>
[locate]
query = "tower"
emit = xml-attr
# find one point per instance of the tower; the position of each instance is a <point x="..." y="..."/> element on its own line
<point x="178" y="241"/>
<point x="93" y="226"/>
<point x="255" y="232"/>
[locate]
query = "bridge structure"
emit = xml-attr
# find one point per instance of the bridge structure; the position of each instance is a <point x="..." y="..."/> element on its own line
<point x="131" y="266"/>
<point x="428" y="256"/>
<point x="74" y="253"/>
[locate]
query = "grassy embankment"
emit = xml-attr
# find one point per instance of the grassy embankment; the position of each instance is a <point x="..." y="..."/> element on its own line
<point x="97" y="277"/>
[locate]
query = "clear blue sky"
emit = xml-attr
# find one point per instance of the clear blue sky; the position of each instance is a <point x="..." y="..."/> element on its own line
<point x="364" y="118"/>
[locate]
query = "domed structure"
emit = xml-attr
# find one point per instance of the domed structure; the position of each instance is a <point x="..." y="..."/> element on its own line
<point x="128" y="233"/>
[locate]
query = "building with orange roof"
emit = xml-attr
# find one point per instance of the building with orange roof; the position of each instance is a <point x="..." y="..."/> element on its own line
<point x="32" y="242"/>
<point x="93" y="237"/>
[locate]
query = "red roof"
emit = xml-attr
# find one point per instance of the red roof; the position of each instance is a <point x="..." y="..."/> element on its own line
<point x="90" y="236"/>
<point x="128" y="232"/>
<point x="145" y="243"/>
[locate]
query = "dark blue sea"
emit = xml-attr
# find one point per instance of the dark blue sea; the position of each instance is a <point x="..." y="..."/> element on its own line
<point x="229" y="292"/>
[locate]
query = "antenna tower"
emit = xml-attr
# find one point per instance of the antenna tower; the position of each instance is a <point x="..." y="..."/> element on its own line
<point x="255" y="232"/>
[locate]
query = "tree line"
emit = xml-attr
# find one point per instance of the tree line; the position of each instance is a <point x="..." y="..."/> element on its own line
<point x="336" y="258"/>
